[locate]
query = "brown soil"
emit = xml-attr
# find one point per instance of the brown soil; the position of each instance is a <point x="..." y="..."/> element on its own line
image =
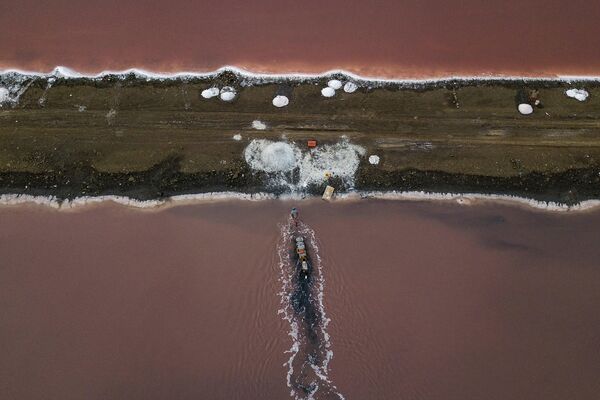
<point x="159" y="137"/>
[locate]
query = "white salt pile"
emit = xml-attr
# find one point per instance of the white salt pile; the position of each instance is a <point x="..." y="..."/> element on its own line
<point x="350" y="87"/>
<point x="267" y="156"/>
<point x="281" y="101"/>
<point x="4" y="95"/>
<point x="374" y="160"/>
<point x="64" y="72"/>
<point x="237" y="137"/>
<point x="210" y="93"/>
<point x="328" y="92"/>
<point x="525" y="108"/>
<point x="228" y="93"/>
<point x="334" y="84"/>
<point x="578" y="94"/>
<point x="259" y="125"/>
<point x="340" y="160"/>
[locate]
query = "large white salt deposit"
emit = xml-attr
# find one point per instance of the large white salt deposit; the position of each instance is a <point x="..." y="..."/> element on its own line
<point x="265" y="155"/>
<point x="338" y="160"/>
<point x="578" y="94"/>
<point x="374" y="159"/>
<point x="328" y="92"/>
<point x="228" y="93"/>
<point x="280" y="101"/>
<point x="350" y="87"/>
<point x="259" y="125"/>
<point x="334" y="84"/>
<point x="210" y="93"/>
<point x="525" y="108"/>
<point x="4" y="95"/>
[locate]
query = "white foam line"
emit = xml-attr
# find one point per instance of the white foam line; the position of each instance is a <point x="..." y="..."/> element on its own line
<point x="65" y="72"/>
<point x="473" y="198"/>
<point x="322" y="370"/>
<point x="465" y="199"/>
<point x="286" y="279"/>
<point x="286" y="286"/>
<point x="86" y="201"/>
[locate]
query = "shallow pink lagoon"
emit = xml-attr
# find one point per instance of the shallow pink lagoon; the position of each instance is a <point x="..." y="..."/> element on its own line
<point x="394" y="39"/>
<point x="426" y="301"/>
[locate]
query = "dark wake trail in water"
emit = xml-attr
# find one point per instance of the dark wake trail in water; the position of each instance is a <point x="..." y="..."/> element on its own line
<point x="302" y="306"/>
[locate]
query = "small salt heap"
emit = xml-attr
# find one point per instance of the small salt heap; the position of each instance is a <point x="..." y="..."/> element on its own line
<point x="237" y="137"/>
<point x="334" y="84"/>
<point x="4" y="95"/>
<point x="280" y="101"/>
<point x="228" y="93"/>
<point x="328" y="92"/>
<point x="267" y="156"/>
<point x="210" y="93"/>
<point x="259" y="125"/>
<point x="350" y="87"/>
<point x="374" y="160"/>
<point x="578" y="94"/>
<point x="525" y="108"/>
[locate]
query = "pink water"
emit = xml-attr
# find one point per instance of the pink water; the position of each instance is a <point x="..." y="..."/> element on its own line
<point x="426" y="301"/>
<point x="395" y="39"/>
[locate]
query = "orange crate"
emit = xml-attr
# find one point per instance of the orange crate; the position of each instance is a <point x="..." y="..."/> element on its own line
<point x="312" y="143"/>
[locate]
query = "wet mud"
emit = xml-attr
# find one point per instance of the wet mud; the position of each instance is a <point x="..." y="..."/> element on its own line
<point x="153" y="138"/>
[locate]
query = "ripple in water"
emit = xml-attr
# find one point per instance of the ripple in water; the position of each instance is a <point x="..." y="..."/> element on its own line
<point x="302" y="307"/>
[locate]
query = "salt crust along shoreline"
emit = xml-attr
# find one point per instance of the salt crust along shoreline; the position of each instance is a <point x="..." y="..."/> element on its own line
<point x="249" y="78"/>
<point x="467" y="199"/>
<point x="65" y="72"/>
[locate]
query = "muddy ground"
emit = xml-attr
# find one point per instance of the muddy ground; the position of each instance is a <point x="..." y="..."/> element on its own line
<point x="154" y="138"/>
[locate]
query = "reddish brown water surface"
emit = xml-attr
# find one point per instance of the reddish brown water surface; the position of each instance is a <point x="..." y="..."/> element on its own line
<point x="426" y="301"/>
<point x="406" y="38"/>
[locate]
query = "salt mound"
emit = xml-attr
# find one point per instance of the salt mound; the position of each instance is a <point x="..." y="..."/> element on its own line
<point x="328" y="92"/>
<point x="237" y="137"/>
<point x="578" y="94"/>
<point x="374" y="160"/>
<point x="334" y="84"/>
<point x="228" y="93"/>
<point x="64" y="72"/>
<point x="350" y="87"/>
<point x="525" y="108"/>
<point x="280" y="101"/>
<point x="210" y="93"/>
<point x="259" y="125"/>
<point x="339" y="160"/>
<point x="265" y="155"/>
<point x="4" y="95"/>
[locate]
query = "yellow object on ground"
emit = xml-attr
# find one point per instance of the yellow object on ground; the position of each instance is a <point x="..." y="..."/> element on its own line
<point x="328" y="193"/>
